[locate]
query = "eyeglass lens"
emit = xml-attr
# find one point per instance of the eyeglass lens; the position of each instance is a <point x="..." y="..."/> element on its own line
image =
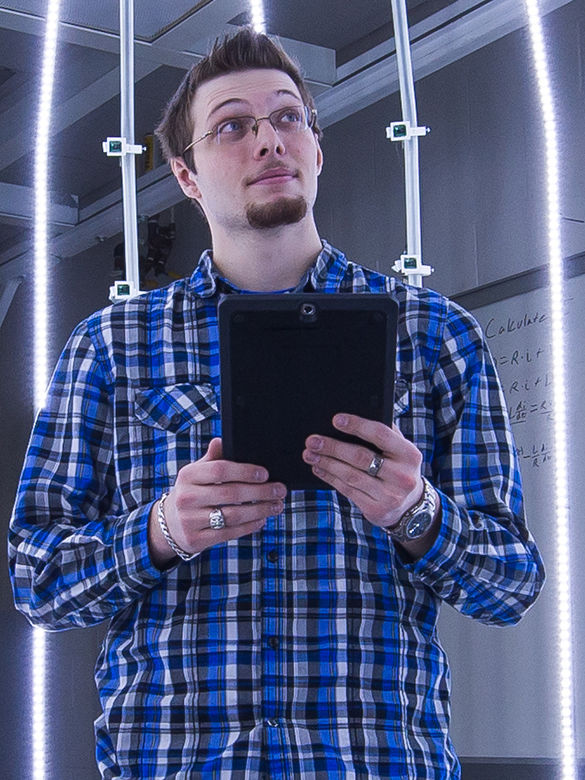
<point x="290" y="119"/>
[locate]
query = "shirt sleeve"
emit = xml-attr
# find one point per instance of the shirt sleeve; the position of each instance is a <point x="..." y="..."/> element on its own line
<point x="484" y="561"/>
<point x="75" y="557"/>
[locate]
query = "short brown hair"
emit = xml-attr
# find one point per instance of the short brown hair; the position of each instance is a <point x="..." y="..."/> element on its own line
<point x="243" y="50"/>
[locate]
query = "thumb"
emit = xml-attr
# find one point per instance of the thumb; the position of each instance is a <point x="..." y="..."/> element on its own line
<point x="214" y="451"/>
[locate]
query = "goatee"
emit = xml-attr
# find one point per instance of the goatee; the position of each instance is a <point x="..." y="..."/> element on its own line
<point x="284" y="211"/>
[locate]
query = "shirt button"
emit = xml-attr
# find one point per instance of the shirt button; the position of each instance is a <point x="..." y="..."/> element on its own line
<point x="176" y="419"/>
<point x="272" y="555"/>
<point x="274" y="642"/>
<point x="273" y="722"/>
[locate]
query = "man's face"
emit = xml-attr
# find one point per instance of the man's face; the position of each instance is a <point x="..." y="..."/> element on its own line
<point x="264" y="180"/>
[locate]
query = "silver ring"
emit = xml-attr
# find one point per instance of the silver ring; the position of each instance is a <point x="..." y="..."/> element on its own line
<point x="375" y="466"/>
<point x="216" y="519"/>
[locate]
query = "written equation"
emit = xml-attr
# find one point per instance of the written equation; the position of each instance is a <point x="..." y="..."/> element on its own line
<point x="527" y="383"/>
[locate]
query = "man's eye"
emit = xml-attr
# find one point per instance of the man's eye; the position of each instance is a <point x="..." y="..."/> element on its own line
<point x="291" y="116"/>
<point x="231" y="126"/>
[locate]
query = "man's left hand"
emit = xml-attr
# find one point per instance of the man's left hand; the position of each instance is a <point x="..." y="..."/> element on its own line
<point x="382" y="498"/>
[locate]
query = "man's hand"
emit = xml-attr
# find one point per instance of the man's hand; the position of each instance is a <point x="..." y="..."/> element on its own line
<point x="241" y="490"/>
<point x="383" y="498"/>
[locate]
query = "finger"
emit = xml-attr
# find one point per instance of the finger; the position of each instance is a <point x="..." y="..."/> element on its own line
<point x="199" y="539"/>
<point x="210" y="496"/>
<point x="214" y="451"/>
<point x="212" y="472"/>
<point x="371" y="431"/>
<point x="239" y="521"/>
<point x="348" y="476"/>
<point x="389" y="441"/>
<point x="353" y="492"/>
<point x="242" y="514"/>
<point x="211" y="537"/>
<point x="323" y="446"/>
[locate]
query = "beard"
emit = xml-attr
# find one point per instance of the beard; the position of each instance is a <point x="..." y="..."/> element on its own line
<point x="284" y="211"/>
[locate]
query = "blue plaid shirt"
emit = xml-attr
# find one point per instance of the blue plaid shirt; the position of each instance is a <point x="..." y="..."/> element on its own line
<point x="306" y="650"/>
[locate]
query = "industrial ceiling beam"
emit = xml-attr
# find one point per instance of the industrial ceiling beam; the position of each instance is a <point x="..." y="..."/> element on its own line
<point x="360" y="85"/>
<point x="17" y="206"/>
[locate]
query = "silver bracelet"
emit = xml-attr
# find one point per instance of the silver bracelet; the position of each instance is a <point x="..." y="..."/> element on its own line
<point x="160" y="514"/>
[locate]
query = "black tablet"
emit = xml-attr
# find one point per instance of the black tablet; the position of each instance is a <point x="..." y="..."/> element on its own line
<point x="289" y="362"/>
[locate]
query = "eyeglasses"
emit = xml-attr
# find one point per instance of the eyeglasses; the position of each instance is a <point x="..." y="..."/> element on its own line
<point x="286" y="121"/>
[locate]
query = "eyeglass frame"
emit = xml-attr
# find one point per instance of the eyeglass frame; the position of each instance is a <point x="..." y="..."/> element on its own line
<point x="310" y="116"/>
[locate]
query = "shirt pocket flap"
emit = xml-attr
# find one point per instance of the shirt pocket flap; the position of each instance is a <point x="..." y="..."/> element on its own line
<point x="175" y="407"/>
<point x="401" y="397"/>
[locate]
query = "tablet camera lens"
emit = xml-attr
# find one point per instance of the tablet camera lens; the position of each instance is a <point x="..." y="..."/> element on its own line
<point x="308" y="312"/>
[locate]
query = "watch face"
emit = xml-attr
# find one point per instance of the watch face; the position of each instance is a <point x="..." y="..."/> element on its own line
<point x="418" y="524"/>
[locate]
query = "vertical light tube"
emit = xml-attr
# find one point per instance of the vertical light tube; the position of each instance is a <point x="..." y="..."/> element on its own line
<point x="258" y="20"/>
<point x="41" y="327"/>
<point x="566" y="702"/>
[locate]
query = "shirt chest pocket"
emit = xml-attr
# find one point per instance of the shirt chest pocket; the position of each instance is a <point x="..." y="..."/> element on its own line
<point x="175" y="408"/>
<point x="172" y="426"/>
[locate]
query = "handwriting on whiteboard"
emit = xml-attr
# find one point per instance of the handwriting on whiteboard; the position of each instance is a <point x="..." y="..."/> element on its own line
<point x="512" y="324"/>
<point x="520" y="345"/>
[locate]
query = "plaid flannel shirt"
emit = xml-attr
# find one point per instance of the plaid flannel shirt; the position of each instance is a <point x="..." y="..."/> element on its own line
<point x="308" y="649"/>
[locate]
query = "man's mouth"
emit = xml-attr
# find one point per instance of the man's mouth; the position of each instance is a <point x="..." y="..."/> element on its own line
<point x="273" y="175"/>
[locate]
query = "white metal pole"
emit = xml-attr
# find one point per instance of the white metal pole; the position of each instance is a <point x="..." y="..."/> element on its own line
<point x="127" y="132"/>
<point x="411" y="164"/>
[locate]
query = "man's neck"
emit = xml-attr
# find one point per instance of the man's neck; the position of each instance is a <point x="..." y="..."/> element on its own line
<point x="268" y="259"/>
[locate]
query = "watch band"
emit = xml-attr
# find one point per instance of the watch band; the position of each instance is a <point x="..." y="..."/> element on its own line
<point x="407" y="529"/>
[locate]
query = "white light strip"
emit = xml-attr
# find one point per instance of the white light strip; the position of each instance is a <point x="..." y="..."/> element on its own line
<point x="38" y="715"/>
<point x="563" y="561"/>
<point x="258" y="21"/>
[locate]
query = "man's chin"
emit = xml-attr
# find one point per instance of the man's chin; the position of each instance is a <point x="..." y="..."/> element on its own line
<point x="284" y="211"/>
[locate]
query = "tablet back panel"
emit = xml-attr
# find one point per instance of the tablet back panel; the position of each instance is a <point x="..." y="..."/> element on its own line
<point x="290" y="362"/>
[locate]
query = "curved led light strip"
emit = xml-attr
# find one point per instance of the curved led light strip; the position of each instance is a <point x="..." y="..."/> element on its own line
<point x="38" y="714"/>
<point x="563" y="562"/>
<point x="257" y="11"/>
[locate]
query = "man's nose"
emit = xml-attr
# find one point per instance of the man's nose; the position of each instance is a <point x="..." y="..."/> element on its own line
<point x="267" y="140"/>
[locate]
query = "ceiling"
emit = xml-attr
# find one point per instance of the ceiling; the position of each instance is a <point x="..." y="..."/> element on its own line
<point x="346" y="50"/>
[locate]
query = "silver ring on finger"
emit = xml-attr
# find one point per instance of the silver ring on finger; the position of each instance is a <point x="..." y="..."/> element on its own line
<point x="216" y="519"/>
<point x="375" y="465"/>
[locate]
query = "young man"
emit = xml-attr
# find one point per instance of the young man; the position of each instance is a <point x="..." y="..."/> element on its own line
<point x="257" y="632"/>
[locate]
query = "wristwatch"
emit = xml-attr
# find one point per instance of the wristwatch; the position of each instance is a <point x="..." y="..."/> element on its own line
<point x="416" y="520"/>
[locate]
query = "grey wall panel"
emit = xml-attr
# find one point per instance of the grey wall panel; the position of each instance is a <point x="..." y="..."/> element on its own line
<point x="482" y="166"/>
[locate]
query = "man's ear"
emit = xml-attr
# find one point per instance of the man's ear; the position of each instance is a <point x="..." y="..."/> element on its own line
<point x="185" y="177"/>
<point x="319" y="156"/>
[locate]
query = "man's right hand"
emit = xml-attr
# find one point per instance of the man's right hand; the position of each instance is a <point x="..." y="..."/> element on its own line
<point x="240" y="490"/>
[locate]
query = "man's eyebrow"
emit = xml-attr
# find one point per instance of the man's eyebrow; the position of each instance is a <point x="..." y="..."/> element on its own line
<point x="240" y="101"/>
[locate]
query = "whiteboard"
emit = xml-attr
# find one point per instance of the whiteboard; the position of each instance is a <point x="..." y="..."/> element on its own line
<point x="504" y="701"/>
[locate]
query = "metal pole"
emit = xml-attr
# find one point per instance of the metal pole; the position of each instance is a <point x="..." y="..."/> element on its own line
<point x="127" y="131"/>
<point x="411" y="166"/>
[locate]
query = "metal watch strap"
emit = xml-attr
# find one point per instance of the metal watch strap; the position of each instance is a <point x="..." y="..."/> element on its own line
<point x="160" y="514"/>
<point x="428" y="499"/>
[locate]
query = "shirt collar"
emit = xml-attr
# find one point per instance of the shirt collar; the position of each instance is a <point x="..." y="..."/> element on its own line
<point x="326" y="274"/>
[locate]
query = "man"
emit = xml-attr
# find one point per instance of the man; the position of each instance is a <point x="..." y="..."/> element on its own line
<point x="257" y="632"/>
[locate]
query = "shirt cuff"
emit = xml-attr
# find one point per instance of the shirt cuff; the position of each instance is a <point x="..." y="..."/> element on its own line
<point x="443" y="558"/>
<point x="135" y="568"/>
